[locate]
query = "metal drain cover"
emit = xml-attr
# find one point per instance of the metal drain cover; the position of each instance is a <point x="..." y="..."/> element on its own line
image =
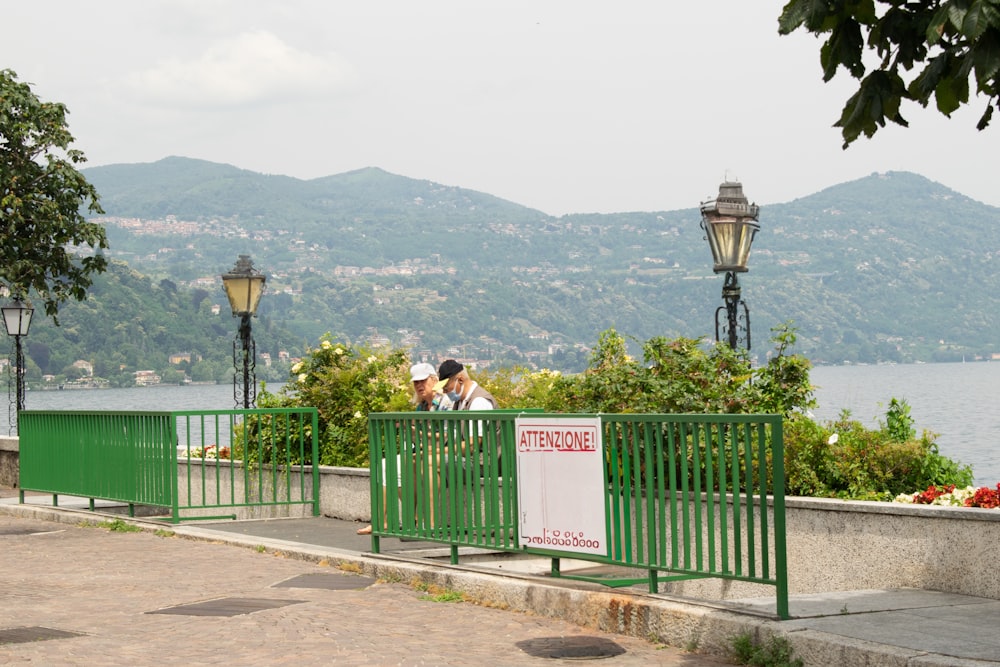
<point x="33" y="634"/>
<point x="329" y="582"/>
<point x="225" y="607"/>
<point x="571" y="648"/>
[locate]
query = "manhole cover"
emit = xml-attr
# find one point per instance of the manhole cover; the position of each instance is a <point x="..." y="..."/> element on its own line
<point x="33" y="634"/>
<point x="225" y="607"/>
<point x="329" y="582"/>
<point x="571" y="648"/>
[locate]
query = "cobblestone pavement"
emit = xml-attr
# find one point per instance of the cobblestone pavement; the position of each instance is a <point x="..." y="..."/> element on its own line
<point x="115" y="592"/>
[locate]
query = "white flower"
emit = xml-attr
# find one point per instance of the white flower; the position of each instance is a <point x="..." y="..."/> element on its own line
<point x="358" y="415"/>
<point x="832" y="440"/>
<point x="372" y="359"/>
<point x="297" y="367"/>
<point x="903" y="498"/>
<point x="325" y="345"/>
<point x="339" y="351"/>
<point x="302" y="377"/>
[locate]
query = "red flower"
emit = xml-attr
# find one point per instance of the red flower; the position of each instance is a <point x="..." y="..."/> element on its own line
<point x="985" y="497"/>
<point x="927" y="497"/>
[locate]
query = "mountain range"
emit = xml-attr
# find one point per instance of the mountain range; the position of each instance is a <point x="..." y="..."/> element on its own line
<point x="891" y="267"/>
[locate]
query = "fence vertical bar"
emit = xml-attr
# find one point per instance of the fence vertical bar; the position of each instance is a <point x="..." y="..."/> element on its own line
<point x="672" y="468"/>
<point x="697" y="495"/>
<point x="765" y="561"/>
<point x="649" y="463"/>
<point x="748" y="470"/>
<point x="780" y="557"/>
<point x="710" y="496"/>
<point x="661" y="495"/>
<point x="724" y="495"/>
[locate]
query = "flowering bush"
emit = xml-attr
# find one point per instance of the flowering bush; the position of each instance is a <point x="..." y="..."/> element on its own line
<point x="207" y="452"/>
<point x="845" y="459"/>
<point x="344" y="383"/>
<point x="947" y="494"/>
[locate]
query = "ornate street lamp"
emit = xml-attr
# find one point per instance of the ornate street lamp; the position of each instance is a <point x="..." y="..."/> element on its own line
<point x="17" y="320"/>
<point x="730" y="224"/>
<point x="244" y="285"/>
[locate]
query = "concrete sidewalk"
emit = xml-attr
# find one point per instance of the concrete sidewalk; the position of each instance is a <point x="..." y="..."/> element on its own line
<point x="871" y="627"/>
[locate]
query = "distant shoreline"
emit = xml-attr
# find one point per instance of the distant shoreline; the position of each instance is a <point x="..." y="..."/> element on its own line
<point x="70" y="387"/>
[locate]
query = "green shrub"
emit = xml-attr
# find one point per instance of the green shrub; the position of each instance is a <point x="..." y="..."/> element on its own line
<point x="844" y="459"/>
<point x="344" y="384"/>
<point x="682" y="376"/>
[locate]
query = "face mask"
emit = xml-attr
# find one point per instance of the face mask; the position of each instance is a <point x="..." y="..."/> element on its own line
<point x="455" y="396"/>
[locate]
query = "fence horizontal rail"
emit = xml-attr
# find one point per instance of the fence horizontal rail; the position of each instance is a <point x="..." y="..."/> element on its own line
<point x="685" y="496"/>
<point x="192" y="461"/>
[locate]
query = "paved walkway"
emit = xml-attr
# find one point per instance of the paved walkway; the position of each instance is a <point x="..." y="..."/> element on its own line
<point x="91" y="596"/>
<point x="307" y="591"/>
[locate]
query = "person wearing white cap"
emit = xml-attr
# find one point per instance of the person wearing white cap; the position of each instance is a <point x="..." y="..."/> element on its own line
<point x="423" y="377"/>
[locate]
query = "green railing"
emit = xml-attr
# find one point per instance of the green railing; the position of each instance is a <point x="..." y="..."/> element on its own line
<point x="685" y="496"/>
<point x="179" y="461"/>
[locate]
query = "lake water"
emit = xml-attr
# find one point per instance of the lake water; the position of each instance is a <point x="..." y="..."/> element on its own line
<point x="959" y="402"/>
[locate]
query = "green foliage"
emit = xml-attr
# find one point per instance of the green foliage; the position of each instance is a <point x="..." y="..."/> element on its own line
<point x="843" y="459"/>
<point x="520" y="387"/>
<point x="119" y="526"/>
<point x="344" y="384"/>
<point x="41" y="196"/>
<point x="945" y="42"/>
<point x="680" y="376"/>
<point x="775" y="651"/>
<point x="898" y="422"/>
<point x="129" y="323"/>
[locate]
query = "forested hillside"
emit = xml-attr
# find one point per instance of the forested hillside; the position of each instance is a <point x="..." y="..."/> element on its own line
<point x="890" y="267"/>
<point x="131" y="323"/>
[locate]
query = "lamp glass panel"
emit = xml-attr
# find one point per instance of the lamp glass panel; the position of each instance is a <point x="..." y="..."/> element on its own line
<point x="730" y="241"/>
<point x="17" y="319"/>
<point x="244" y="292"/>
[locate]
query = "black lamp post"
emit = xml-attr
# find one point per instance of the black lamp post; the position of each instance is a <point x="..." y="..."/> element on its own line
<point x="17" y="320"/>
<point x="730" y="224"/>
<point x="244" y="285"/>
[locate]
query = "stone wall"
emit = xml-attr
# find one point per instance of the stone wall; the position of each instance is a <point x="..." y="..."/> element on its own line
<point x="8" y="462"/>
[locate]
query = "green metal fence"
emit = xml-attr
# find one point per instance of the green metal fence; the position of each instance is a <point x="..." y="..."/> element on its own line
<point x="180" y="461"/>
<point x="685" y="496"/>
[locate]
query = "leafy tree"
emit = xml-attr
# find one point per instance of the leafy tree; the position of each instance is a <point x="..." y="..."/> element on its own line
<point x="41" y="195"/>
<point x="945" y="43"/>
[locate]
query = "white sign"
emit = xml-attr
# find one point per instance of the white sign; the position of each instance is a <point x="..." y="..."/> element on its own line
<point x="560" y="484"/>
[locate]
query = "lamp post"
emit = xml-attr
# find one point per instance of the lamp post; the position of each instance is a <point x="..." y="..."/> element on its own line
<point x="244" y="285"/>
<point x="17" y="320"/>
<point x="730" y="224"/>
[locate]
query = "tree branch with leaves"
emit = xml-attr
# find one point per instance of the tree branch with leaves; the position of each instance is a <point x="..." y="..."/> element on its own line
<point x="923" y="49"/>
<point x="44" y="235"/>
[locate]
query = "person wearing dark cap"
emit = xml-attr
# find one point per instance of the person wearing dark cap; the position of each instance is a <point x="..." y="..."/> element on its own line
<point x="464" y="392"/>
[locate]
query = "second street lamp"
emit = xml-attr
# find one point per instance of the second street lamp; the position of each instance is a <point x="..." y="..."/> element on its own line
<point x="730" y="224"/>
<point x="17" y="320"/>
<point x="244" y="286"/>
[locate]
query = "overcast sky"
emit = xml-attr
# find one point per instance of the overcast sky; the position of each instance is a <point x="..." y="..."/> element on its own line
<point x="567" y="106"/>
